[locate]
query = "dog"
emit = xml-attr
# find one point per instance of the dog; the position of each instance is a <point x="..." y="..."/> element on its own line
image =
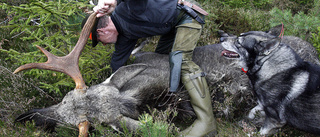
<point x="287" y="88"/>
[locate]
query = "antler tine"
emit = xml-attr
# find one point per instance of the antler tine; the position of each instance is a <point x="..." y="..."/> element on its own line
<point x="38" y="65"/>
<point x="67" y="64"/>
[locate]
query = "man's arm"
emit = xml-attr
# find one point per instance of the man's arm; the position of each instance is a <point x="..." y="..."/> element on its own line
<point x="123" y="49"/>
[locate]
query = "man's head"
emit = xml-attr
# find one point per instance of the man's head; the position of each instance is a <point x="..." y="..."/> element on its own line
<point x="106" y="31"/>
<point x="103" y="31"/>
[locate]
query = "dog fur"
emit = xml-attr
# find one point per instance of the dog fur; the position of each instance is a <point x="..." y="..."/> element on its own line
<point x="287" y="88"/>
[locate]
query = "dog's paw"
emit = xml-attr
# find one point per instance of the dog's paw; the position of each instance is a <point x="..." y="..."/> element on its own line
<point x="267" y="131"/>
<point x="251" y="115"/>
<point x="256" y="111"/>
<point x="270" y="126"/>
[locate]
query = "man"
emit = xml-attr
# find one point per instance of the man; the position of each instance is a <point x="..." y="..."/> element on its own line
<point x="180" y="28"/>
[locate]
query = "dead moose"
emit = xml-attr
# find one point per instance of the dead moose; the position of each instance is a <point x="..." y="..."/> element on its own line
<point x="122" y="97"/>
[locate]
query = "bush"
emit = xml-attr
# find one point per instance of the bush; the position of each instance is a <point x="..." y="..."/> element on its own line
<point x="300" y="25"/>
<point x="158" y="124"/>
<point x="236" y="21"/>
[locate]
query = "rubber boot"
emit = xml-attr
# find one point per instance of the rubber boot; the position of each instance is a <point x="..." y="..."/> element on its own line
<point x="175" y="60"/>
<point x="205" y="124"/>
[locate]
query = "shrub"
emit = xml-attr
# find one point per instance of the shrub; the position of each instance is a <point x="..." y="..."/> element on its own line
<point x="236" y="21"/>
<point x="158" y="124"/>
<point x="300" y="25"/>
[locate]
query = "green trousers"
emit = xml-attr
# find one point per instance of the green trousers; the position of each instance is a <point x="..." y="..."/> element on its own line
<point x="194" y="81"/>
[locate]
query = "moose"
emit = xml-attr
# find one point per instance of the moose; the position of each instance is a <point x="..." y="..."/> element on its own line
<point x="122" y="97"/>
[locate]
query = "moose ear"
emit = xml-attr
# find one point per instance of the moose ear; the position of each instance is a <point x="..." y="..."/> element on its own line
<point x="269" y="46"/>
<point x="126" y="73"/>
<point x="276" y="30"/>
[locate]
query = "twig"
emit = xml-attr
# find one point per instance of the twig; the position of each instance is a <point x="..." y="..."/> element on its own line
<point x="17" y="35"/>
<point x="141" y="45"/>
<point x="30" y="84"/>
<point x="60" y="123"/>
<point x="4" y="21"/>
<point x="2" y="42"/>
<point x="32" y="20"/>
<point x="4" y="103"/>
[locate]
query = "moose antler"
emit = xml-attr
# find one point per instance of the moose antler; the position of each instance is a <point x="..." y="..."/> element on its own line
<point x="68" y="64"/>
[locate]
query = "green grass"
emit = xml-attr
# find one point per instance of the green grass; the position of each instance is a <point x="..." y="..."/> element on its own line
<point x="19" y="93"/>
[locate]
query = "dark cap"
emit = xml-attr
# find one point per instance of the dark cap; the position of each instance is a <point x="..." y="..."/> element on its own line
<point x="93" y="35"/>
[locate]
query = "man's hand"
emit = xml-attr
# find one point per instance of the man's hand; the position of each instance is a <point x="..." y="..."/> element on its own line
<point x="105" y="7"/>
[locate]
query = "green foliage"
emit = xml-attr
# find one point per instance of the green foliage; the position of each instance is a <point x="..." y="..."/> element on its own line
<point x="38" y="19"/>
<point x="54" y="25"/>
<point x="300" y="25"/>
<point x="247" y="4"/>
<point x="316" y="40"/>
<point x="157" y="125"/>
<point x="66" y="130"/>
<point x="303" y="2"/>
<point x="92" y="65"/>
<point x="27" y="130"/>
<point x="230" y="20"/>
<point x="236" y="21"/>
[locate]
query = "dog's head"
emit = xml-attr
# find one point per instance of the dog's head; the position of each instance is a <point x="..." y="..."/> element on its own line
<point x="249" y="46"/>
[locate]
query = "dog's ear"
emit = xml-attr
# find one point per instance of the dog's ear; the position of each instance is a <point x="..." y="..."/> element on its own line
<point x="269" y="46"/>
<point x="223" y="35"/>
<point x="275" y="31"/>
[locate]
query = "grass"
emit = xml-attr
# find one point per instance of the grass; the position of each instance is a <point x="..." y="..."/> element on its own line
<point x="19" y="93"/>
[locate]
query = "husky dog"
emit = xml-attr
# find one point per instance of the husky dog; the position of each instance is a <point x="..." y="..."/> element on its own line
<point x="287" y="87"/>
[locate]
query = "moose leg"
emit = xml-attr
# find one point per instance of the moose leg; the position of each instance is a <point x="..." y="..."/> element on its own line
<point x="84" y="128"/>
<point x="125" y="123"/>
<point x="131" y="124"/>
